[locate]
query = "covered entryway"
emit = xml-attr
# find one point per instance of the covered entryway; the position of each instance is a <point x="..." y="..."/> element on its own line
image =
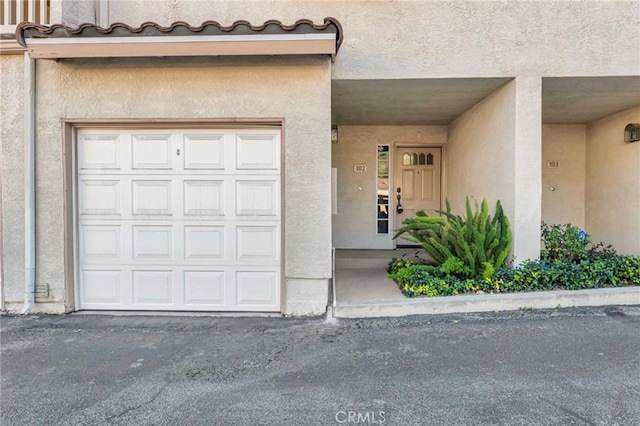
<point x="178" y="220"/>
<point x="428" y="160"/>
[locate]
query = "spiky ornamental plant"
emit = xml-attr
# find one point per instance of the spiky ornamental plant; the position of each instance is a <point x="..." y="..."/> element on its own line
<point x="420" y="229"/>
<point x="479" y="240"/>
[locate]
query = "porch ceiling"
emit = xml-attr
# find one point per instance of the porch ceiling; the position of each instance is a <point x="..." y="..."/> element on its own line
<point x="408" y="101"/>
<point x="565" y="100"/>
<point x="578" y="100"/>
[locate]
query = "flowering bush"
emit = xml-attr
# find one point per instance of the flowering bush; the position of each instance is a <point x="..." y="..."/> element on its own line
<point x="564" y="242"/>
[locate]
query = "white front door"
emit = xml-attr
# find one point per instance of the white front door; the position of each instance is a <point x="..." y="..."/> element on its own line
<point x="416" y="182"/>
<point x="181" y="220"/>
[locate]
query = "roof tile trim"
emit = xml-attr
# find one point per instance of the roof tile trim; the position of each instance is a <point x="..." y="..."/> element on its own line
<point x="45" y="30"/>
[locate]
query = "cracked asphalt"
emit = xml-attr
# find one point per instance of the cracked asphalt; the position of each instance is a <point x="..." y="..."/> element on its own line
<point x="559" y="367"/>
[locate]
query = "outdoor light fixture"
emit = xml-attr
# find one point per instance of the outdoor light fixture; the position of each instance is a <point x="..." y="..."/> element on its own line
<point x="632" y="132"/>
<point x="334" y="134"/>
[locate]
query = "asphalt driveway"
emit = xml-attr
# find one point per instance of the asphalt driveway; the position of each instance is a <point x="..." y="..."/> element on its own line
<point x="561" y="367"/>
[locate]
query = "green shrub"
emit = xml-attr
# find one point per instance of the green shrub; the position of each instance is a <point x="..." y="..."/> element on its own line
<point x="533" y="275"/>
<point x="568" y="261"/>
<point x="475" y="240"/>
<point x="563" y="242"/>
<point x="628" y="269"/>
<point x="454" y="266"/>
<point x="601" y="251"/>
<point x="400" y="262"/>
<point x="587" y="273"/>
<point x="427" y="280"/>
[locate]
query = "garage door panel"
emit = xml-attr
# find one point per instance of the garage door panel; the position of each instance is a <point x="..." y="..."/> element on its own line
<point x="257" y="243"/>
<point x="204" y="197"/>
<point x="99" y="197"/>
<point x="204" y="242"/>
<point x="101" y="243"/>
<point x="152" y="242"/>
<point x="204" y="288"/>
<point x="152" y="152"/>
<point x="256" y="288"/>
<point x="152" y="286"/>
<point x="151" y="197"/>
<point x="99" y="152"/>
<point x="101" y="287"/>
<point x="204" y="152"/>
<point x="257" y="197"/>
<point x="257" y="152"/>
<point x="178" y="226"/>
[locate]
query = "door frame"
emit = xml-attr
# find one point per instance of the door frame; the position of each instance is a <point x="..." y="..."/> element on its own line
<point x="69" y="154"/>
<point x="443" y="174"/>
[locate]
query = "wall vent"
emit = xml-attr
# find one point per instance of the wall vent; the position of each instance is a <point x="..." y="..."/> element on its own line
<point x="42" y="292"/>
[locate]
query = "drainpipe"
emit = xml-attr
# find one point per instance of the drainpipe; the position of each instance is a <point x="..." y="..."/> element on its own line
<point x="29" y="184"/>
<point x="334" y="303"/>
<point x="103" y="13"/>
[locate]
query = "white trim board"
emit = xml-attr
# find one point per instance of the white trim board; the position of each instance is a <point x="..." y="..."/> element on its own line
<point x="222" y="45"/>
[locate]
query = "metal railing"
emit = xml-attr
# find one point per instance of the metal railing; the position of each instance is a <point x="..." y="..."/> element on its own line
<point x="13" y="12"/>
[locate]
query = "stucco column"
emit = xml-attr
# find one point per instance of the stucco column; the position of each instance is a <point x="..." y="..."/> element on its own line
<point x="55" y="11"/>
<point x="74" y="12"/>
<point x="528" y="168"/>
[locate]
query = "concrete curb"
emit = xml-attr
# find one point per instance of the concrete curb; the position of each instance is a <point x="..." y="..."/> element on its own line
<point x="488" y="302"/>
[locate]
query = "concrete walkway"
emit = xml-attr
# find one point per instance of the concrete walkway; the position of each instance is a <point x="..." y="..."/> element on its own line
<point x="361" y="275"/>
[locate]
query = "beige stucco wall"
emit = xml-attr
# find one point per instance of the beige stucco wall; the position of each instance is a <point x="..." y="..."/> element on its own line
<point x="355" y="224"/>
<point x="613" y="183"/>
<point x="187" y="89"/>
<point x="417" y="38"/>
<point x="481" y="151"/>
<point x="494" y="152"/>
<point x="76" y="12"/>
<point x="563" y="188"/>
<point x="12" y="175"/>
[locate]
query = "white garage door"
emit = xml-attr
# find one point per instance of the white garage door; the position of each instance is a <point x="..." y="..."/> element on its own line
<point x="183" y="220"/>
